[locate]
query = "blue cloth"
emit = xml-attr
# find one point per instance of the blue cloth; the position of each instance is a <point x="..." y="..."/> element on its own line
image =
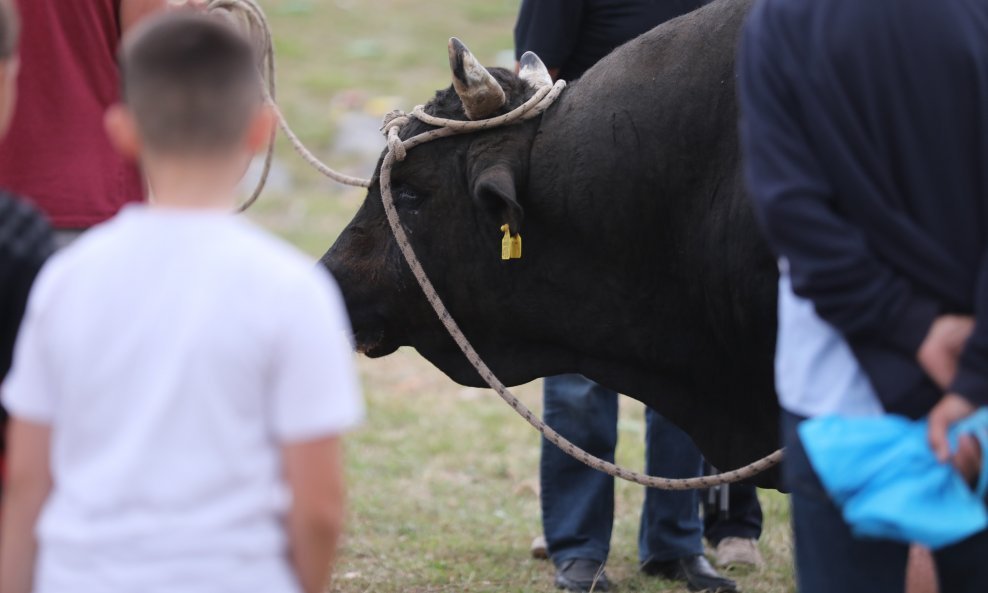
<point x="815" y="371"/>
<point x="864" y="126"/>
<point x="578" y="502"/>
<point x="883" y="475"/>
<point x="829" y="558"/>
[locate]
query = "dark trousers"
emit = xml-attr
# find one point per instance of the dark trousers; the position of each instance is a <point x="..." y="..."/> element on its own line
<point x="742" y="517"/>
<point x="830" y="559"/>
<point x="578" y="502"/>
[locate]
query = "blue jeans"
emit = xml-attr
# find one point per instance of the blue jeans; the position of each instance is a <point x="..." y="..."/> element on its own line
<point x="578" y="502"/>
<point x="828" y="556"/>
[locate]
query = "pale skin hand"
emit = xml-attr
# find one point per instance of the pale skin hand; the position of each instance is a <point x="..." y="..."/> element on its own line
<point x="939" y="355"/>
<point x="940" y="352"/>
<point x="967" y="458"/>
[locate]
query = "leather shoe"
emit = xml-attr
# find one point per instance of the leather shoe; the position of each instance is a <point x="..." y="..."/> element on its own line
<point x="582" y="574"/>
<point x="694" y="570"/>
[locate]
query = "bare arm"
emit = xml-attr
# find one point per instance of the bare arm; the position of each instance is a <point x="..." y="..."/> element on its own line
<point x="132" y="11"/>
<point x="27" y="487"/>
<point x="314" y="470"/>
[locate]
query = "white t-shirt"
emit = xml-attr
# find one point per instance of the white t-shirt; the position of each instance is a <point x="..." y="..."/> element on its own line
<point x="173" y="352"/>
<point x="816" y="373"/>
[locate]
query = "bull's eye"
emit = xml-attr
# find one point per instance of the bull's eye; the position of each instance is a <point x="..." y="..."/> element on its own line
<point x="408" y="197"/>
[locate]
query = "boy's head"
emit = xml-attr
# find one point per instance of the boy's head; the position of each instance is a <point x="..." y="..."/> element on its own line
<point x="191" y="88"/>
<point x="9" y="35"/>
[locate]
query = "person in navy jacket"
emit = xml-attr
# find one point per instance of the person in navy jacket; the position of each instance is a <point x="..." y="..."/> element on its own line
<point x="865" y="132"/>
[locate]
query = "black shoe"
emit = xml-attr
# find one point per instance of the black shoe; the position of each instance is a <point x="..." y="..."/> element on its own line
<point x="695" y="570"/>
<point x="581" y="574"/>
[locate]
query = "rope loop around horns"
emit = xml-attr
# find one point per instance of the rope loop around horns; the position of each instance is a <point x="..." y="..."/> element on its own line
<point x="393" y="123"/>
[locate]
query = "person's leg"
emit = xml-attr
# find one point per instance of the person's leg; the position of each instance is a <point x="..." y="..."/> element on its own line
<point x="921" y="573"/>
<point x="742" y="519"/>
<point x="733" y="526"/>
<point x="963" y="567"/>
<point x="670" y="539"/>
<point x="670" y="521"/>
<point x="828" y="557"/>
<point x="577" y="501"/>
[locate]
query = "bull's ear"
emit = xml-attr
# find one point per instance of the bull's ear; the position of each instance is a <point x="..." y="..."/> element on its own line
<point x="494" y="190"/>
<point x="533" y="71"/>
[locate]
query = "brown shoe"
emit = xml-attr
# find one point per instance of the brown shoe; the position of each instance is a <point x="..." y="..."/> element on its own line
<point x="738" y="553"/>
<point x="539" y="549"/>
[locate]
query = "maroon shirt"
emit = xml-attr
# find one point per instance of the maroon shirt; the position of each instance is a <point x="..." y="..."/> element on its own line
<point x="57" y="151"/>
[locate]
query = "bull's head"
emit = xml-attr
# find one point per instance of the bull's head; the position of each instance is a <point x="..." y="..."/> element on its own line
<point x="453" y="195"/>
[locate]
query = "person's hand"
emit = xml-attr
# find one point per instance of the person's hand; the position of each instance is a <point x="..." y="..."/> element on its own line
<point x="967" y="458"/>
<point x="940" y="351"/>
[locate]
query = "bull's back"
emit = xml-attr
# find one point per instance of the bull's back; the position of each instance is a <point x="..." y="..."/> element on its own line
<point x="650" y="135"/>
<point x="660" y="104"/>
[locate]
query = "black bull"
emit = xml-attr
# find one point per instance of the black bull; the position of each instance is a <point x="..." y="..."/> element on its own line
<point x="643" y="268"/>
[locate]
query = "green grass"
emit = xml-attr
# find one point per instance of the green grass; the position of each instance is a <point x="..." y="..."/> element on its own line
<point x="444" y="486"/>
<point x="443" y="479"/>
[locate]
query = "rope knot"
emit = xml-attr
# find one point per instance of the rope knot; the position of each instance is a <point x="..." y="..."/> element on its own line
<point x="393" y="119"/>
<point x="395" y="145"/>
<point x="393" y="122"/>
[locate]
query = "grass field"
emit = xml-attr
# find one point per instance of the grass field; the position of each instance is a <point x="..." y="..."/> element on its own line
<point x="444" y="488"/>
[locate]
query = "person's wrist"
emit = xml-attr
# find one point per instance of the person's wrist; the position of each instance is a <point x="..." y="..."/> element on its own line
<point x="950" y="409"/>
<point x="939" y="352"/>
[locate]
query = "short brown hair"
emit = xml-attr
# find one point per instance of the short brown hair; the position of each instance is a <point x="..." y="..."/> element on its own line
<point x="192" y="83"/>
<point x="9" y="29"/>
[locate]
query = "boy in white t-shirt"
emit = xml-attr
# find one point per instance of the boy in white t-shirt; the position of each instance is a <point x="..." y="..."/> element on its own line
<point x="182" y="378"/>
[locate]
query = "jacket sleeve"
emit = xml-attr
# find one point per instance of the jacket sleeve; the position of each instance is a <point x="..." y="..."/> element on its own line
<point x="972" y="373"/>
<point x="25" y="243"/>
<point x="830" y="262"/>
<point x="550" y="28"/>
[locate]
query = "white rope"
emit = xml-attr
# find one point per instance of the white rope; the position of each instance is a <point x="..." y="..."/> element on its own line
<point x="248" y="15"/>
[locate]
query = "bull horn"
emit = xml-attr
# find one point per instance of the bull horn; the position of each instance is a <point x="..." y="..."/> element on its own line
<point x="533" y="71"/>
<point x="478" y="90"/>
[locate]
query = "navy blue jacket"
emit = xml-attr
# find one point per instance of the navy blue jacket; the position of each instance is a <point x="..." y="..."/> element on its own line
<point x="865" y="131"/>
<point x="573" y="35"/>
<point x="25" y="243"/>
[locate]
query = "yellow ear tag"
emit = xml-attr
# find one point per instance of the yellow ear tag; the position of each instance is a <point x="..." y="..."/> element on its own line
<point x="510" y="246"/>
<point x="506" y="243"/>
